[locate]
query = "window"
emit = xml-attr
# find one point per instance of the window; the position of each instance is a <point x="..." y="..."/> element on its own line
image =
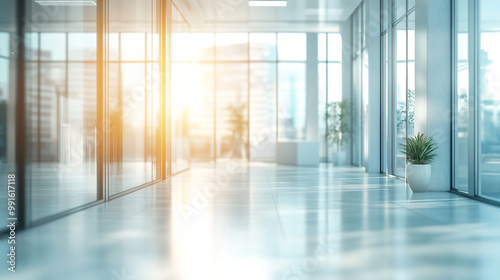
<point x="287" y="53"/>
<point x="262" y="111"/>
<point x="477" y="99"/>
<point x="397" y="84"/>
<point x="134" y="94"/>
<point x="291" y="101"/>
<point x="82" y="46"/>
<point x="462" y="100"/>
<point x="263" y="46"/>
<point x="232" y="110"/>
<point x="232" y="46"/>
<point x="400" y="96"/>
<point x="488" y="100"/>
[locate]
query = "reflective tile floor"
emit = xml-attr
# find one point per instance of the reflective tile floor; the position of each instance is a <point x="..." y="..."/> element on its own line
<point x="263" y="221"/>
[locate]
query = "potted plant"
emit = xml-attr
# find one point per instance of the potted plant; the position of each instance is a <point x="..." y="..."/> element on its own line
<point x="419" y="151"/>
<point x="338" y="129"/>
<point x="238" y="127"/>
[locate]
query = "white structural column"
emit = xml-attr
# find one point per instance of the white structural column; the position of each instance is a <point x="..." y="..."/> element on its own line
<point x="433" y="66"/>
<point x="312" y="105"/>
<point x="372" y="164"/>
<point x="345" y="32"/>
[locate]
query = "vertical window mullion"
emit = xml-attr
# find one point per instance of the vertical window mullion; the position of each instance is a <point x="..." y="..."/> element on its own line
<point x="473" y="129"/>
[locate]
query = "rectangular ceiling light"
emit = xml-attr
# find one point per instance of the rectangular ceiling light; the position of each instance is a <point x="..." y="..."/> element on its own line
<point x="267" y="3"/>
<point x="66" y="2"/>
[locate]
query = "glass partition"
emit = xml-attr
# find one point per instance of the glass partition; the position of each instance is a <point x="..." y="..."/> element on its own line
<point x="181" y="92"/>
<point x="61" y="108"/>
<point x="462" y="100"/>
<point x="488" y="99"/>
<point x="134" y="94"/>
<point x="8" y="89"/>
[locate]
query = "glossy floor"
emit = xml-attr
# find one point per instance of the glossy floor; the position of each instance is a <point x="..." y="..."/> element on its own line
<point x="262" y="221"/>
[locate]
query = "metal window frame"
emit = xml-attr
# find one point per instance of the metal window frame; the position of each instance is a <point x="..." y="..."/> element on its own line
<point x="102" y="99"/>
<point x="390" y="102"/>
<point x="248" y="61"/>
<point x="474" y="149"/>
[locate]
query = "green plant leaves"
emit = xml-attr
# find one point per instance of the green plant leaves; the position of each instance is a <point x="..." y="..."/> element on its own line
<point x="419" y="149"/>
<point x="338" y="116"/>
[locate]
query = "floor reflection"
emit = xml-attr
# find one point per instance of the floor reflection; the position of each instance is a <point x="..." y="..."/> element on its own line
<point x="262" y="221"/>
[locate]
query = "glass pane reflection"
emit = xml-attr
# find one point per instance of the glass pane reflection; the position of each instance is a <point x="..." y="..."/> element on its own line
<point x="400" y="96"/>
<point x="232" y="110"/>
<point x="489" y="101"/>
<point x="462" y="97"/>
<point x="292" y="100"/>
<point x="61" y="112"/>
<point x="263" y="111"/>
<point x="134" y="96"/>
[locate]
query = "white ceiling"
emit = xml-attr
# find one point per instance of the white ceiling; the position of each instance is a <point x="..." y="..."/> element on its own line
<point x="214" y="15"/>
<point x="236" y="15"/>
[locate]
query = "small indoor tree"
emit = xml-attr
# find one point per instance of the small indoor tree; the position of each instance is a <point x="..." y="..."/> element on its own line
<point x="338" y="123"/>
<point x="238" y="126"/>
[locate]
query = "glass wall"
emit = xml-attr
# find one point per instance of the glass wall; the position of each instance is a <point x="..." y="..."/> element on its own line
<point x="252" y="91"/>
<point x="134" y="94"/>
<point x="386" y="154"/>
<point x="462" y="135"/>
<point x="359" y="86"/>
<point x="330" y="84"/>
<point x="231" y="101"/>
<point x="232" y="110"/>
<point x="92" y="101"/>
<point x="400" y="95"/>
<point x="202" y="104"/>
<point x="8" y="88"/>
<point x="263" y="98"/>
<point x="61" y="109"/>
<point x="488" y="100"/>
<point x="181" y="92"/>
<point x="398" y="82"/>
<point x="263" y="111"/>
<point x="477" y="99"/>
<point x="291" y="101"/>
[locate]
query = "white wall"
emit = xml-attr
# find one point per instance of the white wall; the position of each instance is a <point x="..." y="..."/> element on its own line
<point x="312" y="101"/>
<point x="372" y="165"/>
<point x="433" y="92"/>
<point x="345" y="32"/>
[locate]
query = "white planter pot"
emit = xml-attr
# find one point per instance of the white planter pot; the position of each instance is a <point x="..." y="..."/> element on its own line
<point x="340" y="158"/>
<point x="418" y="176"/>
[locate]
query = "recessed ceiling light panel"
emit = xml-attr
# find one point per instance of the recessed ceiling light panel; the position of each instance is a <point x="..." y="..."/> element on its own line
<point x="66" y="2"/>
<point x="264" y="3"/>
